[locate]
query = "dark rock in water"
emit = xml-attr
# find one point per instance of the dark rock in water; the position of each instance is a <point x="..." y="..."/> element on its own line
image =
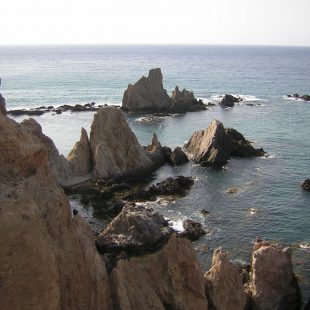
<point x="192" y="230"/>
<point x="32" y="112"/>
<point x="2" y="105"/>
<point x="170" y="186"/>
<point x="229" y="101"/>
<point x="167" y="152"/>
<point x="75" y="212"/>
<point x="204" y="212"/>
<point x="297" y="96"/>
<point x="305" y="97"/>
<point x="147" y="94"/>
<point x="135" y="230"/>
<point x="214" y="145"/>
<point x="306" y="185"/>
<point x="178" y="157"/>
<point x="184" y="101"/>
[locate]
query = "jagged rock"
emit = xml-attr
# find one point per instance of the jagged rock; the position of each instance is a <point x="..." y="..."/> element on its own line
<point x="214" y="145"/>
<point x="169" y="279"/>
<point x="184" y="101"/>
<point x="273" y="283"/>
<point x="229" y="101"/>
<point x="224" y="287"/>
<point x="147" y="94"/>
<point x="115" y="149"/>
<point x="306" y="185"/>
<point x="155" y="152"/>
<point x="178" y="157"/>
<point x="48" y="259"/>
<point x="135" y="229"/>
<point x="80" y="157"/>
<point x="58" y="163"/>
<point x="2" y="105"/>
<point x="192" y="230"/>
<point x="170" y="186"/>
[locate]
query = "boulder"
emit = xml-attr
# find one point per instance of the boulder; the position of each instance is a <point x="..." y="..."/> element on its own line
<point x="2" y="105"/>
<point x="224" y="287"/>
<point x="273" y="282"/>
<point x="211" y="146"/>
<point x="306" y="185"/>
<point x="147" y="94"/>
<point x="59" y="164"/>
<point x="184" y="101"/>
<point x="155" y="152"/>
<point x="48" y="258"/>
<point x="214" y="145"/>
<point x="168" y="279"/>
<point x="229" y="101"/>
<point x="115" y="149"/>
<point x="80" y="157"/>
<point x="178" y="157"/>
<point x="192" y="230"/>
<point x="135" y="230"/>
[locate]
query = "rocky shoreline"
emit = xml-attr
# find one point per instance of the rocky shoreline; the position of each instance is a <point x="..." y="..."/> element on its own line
<point x="51" y="259"/>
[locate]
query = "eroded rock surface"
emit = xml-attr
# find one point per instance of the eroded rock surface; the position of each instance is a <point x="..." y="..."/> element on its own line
<point x="273" y="283"/>
<point x="147" y="94"/>
<point x="169" y="279"/>
<point x="80" y="158"/>
<point x="135" y="230"/>
<point x="47" y="258"/>
<point x="229" y="100"/>
<point x="192" y="230"/>
<point x="224" y="287"/>
<point x="2" y="105"/>
<point x="214" y="145"/>
<point x="115" y="148"/>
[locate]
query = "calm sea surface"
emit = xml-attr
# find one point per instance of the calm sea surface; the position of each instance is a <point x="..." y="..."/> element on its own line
<point x="270" y="202"/>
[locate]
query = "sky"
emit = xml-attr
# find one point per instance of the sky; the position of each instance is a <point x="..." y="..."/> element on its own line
<point x="250" y="22"/>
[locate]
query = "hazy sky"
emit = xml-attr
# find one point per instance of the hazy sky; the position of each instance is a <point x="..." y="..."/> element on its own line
<point x="269" y="22"/>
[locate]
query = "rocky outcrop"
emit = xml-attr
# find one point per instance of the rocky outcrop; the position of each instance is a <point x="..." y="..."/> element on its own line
<point x="184" y="101"/>
<point x="115" y="149"/>
<point x="2" y="106"/>
<point x="229" y="101"/>
<point x="147" y="94"/>
<point x="214" y="145"/>
<point x="80" y="158"/>
<point x="47" y="258"/>
<point x="135" y="230"/>
<point x="302" y="97"/>
<point x="192" y="230"/>
<point x="169" y="279"/>
<point x="224" y="287"/>
<point x="59" y="164"/>
<point x="155" y="151"/>
<point x="178" y="157"/>
<point x="306" y="185"/>
<point x="273" y="283"/>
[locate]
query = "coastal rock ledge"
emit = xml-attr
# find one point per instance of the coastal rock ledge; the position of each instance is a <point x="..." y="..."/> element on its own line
<point x="215" y="145"/>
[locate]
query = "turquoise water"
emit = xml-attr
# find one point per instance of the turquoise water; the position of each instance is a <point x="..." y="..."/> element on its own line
<point x="35" y="76"/>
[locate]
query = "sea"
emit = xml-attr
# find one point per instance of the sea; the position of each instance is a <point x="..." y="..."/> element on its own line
<point x="268" y="203"/>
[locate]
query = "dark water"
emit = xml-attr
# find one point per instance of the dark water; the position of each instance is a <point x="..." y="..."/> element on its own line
<point x="269" y="203"/>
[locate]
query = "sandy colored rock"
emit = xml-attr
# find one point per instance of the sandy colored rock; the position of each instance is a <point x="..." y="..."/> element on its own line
<point x="224" y="288"/>
<point x="47" y="259"/>
<point x="156" y="152"/>
<point x="2" y="105"/>
<point x="80" y="157"/>
<point x="273" y="283"/>
<point x="169" y="279"/>
<point x="147" y="94"/>
<point x="115" y="149"/>
<point x="59" y="164"/>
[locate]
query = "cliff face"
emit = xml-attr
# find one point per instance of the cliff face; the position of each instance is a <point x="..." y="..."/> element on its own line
<point x="47" y="259"/>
